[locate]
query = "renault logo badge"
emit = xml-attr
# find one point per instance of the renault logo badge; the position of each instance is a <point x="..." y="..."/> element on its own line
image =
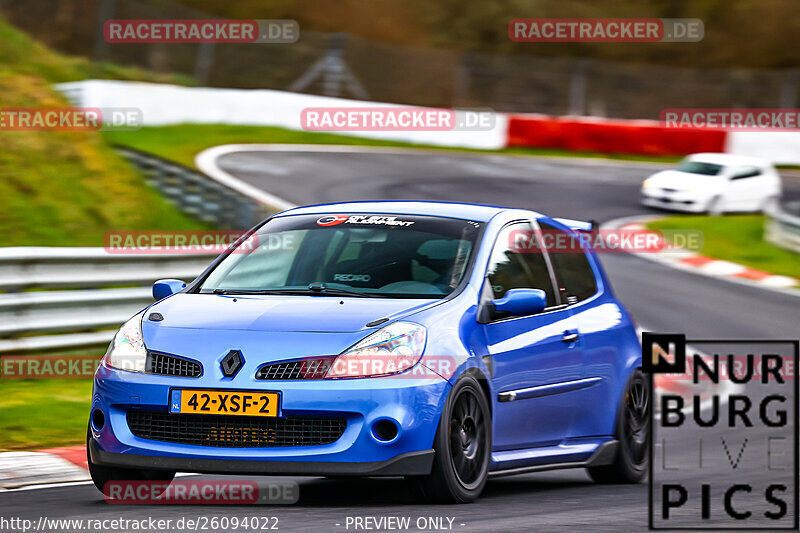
<point x="231" y="363"/>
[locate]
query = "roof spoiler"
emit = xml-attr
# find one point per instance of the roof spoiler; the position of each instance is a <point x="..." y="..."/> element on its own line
<point x="578" y="225"/>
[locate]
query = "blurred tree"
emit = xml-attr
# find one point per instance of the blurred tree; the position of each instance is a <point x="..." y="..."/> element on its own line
<point x="395" y="21"/>
<point x="738" y="33"/>
<point x="751" y="33"/>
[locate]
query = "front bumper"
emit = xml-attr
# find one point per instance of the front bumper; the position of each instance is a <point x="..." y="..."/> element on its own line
<point x="413" y="404"/>
<point x="677" y="201"/>
<point x="406" y="464"/>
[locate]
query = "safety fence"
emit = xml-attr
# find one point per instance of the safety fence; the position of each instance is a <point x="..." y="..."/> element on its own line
<point x="783" y="226"/>
<point x="69" y="297"/>
<point x="197" y="194"/>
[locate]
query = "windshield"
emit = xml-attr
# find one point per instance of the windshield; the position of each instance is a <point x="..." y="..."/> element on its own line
<point x="699" y="167"/>
<point x="391" y="256"/>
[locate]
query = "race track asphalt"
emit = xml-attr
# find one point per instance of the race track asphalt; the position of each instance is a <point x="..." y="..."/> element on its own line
<point x="660" y="298"/>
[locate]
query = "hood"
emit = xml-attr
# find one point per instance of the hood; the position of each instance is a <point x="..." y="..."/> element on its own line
<point x="273" y="313"/>
<point x="683" y="181"/>
<point x="266" y="328"/>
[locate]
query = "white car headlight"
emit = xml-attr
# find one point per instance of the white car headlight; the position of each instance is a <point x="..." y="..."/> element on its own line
<point x="390" y="350"/>
<point x="127" y="351"/>
<point x="649" y="183"/>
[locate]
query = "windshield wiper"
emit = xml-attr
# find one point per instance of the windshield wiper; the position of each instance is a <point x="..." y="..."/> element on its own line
<point x="318" y="287"/>
<point x="324" y="291"/>
<point x="228" y="291"/>
<point x="345" y="292"/>
<point x="234" y="292"/>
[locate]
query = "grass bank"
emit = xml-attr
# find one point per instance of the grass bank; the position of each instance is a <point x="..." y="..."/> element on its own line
<point x="736" y="238"/>
<point x="66" y="188"/>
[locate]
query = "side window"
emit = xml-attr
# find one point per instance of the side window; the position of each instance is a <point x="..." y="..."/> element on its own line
<point x="517" y="265"/>
<point x="745" y="172"/>
<point x="574" y="274"/>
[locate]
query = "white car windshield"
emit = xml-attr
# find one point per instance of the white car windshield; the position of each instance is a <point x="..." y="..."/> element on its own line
<point x="699" y="167"/>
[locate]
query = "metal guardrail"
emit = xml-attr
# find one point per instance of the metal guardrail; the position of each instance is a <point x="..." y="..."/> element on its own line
<point x="86" y="295"/>
<point x="196" y="194"/>
<point x="783" y="226"/>
<point x="53" y="298"/>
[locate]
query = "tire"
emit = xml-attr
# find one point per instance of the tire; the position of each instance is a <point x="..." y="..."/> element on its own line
<point x="714" y="207"/>
<point x="101" y="475"/>
<point x="633" y="433"/>
<point x="462" y="447"/>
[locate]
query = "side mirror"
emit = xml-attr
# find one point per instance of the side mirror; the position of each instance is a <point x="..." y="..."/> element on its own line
<point x="522" y="302"/>
<point x="167" y="287"/>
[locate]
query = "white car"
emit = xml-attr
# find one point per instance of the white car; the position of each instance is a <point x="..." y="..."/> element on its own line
<point x="714" y="183"/>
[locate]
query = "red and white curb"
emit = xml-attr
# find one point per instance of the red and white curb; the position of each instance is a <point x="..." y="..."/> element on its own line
<point x="700" y="264"/>
<point x="52" y="467"/>
<point x="43" y="467"/>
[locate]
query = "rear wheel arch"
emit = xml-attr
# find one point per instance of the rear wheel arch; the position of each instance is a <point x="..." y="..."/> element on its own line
<point x="632" y="456"/>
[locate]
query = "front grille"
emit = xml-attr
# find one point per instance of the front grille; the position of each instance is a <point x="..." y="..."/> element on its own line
<point x="303" y="369"/>
<point x="169" y="365"/>
<point x="227" y="431"/>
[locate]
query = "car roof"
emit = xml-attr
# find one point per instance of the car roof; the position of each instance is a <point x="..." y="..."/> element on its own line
<point x="728" y="159"/>
<point x="476" y="212"/>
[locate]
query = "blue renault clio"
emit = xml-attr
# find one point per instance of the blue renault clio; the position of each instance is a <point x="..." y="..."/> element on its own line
<point x="447" y="343"/>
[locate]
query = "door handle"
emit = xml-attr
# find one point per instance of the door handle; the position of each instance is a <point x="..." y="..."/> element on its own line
<point x="570" y="336"/>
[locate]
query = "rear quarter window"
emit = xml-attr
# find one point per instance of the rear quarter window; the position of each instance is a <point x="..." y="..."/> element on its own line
<point x="574" y="274"/>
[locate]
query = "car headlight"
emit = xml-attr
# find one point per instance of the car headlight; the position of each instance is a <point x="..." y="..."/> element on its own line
<point x="390" y="350"/>
<point x="649" y="183"/>
<point x="127" y="351"/>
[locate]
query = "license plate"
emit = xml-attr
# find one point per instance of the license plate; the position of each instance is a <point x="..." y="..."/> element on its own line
<point x="216" y="402"/>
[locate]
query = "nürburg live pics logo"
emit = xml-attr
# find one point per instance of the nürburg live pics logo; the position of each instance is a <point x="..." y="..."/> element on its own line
<point x="724" y="447"/>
